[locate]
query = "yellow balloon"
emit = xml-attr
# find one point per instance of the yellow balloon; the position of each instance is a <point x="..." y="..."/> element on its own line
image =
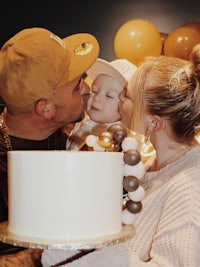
<point x="180" y="42"/>
<point x="137" y="39"/>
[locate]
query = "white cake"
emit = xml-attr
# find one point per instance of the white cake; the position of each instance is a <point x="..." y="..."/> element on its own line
<point x="65" y="194"/>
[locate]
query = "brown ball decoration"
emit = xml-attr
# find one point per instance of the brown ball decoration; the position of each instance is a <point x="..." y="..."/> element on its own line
<point x="134" y="207"/>
<point x="117" y="127"/>
<point x="119" y="136"/>
<point x="105" y="139"/>
<point x="132" y="157"/>
<point x="130" y="183"/>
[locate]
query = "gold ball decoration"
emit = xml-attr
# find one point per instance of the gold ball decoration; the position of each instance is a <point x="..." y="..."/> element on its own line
<point x="105" y="139"/>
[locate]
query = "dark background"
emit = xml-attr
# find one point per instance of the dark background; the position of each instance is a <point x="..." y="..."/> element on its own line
<point x="99" y="17"/>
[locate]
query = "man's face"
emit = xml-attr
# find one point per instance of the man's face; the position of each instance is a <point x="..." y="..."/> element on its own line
<point x="70" y="101"/>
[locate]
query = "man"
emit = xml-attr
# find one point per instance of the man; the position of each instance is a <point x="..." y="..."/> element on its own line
<point x="43" y="90"/>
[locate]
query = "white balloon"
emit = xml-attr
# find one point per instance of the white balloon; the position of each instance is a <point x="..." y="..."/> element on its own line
<point x="129" y="143"/>
<point x="137" y="170"/>
<point x="99" y="148"/>
<point x="137" y="195"/>
<point x="91" y="140"/>
<point x="127" y="217"/>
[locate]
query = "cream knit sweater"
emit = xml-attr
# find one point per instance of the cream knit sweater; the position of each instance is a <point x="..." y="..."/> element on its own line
<point x="167" y="228"/>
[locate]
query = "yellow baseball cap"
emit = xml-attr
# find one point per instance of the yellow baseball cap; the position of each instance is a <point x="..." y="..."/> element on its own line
<point x="35" y="61"/>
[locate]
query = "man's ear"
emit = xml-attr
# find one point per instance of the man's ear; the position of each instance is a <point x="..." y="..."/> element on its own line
<point x="155" y="124"/>
<point x="45" y="109"/>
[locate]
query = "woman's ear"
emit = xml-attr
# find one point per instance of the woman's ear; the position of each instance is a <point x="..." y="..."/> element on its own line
<point x="45" y="109"/>
<point x="155" y="124"/>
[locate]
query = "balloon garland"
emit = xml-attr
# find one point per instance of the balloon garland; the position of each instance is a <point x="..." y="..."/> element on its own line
<point x="116" y="139"/>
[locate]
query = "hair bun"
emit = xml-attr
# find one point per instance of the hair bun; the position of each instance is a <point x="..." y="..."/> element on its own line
<point x="195" y="61"/>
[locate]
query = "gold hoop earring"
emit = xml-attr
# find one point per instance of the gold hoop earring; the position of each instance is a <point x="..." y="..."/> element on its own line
<point x="147" y="138"/>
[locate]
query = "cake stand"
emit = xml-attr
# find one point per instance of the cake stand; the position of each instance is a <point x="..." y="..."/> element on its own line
<point x="82" y="244"/>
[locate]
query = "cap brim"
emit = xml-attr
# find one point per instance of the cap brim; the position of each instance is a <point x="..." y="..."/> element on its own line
<point x="84" y="49"/>
<point x="104" y="67"/>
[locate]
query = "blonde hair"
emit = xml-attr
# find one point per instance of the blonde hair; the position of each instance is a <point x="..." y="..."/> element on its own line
<point x="169" y="87"/>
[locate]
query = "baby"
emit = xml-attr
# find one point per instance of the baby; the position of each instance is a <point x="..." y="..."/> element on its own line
<point x="107" y="79"/>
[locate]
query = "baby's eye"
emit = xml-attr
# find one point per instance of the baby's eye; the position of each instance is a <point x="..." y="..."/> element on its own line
<point x="109" y="96"/>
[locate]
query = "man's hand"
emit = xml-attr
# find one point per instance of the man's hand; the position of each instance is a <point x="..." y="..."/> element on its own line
<point x="27" y="257"/>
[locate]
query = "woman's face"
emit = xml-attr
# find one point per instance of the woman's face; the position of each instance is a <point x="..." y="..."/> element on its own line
<point x="133" y="104"/>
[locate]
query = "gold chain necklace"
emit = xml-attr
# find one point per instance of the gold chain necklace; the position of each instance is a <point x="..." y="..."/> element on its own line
<point x="3" y="128"/>
<point x="5" y="133"/>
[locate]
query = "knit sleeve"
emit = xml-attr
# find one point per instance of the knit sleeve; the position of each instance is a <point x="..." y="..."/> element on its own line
<point x="176" y="248"/>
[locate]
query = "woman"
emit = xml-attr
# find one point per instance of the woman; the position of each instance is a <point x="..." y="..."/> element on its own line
<point x="164" y="98"/>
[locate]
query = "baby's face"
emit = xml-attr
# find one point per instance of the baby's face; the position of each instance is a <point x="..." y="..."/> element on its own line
<point x="103" y="104"/>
